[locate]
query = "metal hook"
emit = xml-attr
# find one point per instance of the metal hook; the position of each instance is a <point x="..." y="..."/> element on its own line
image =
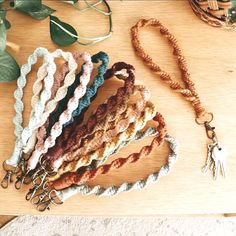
<point x="10" y="170"/>
<point x="7" y="179"/>
<point x="21" y="179"/>
<point x="31" y="192"/>
<point x="42" y="206"/>
<point x="37" y="199"/>
<point x="210" y="131"/>
<point x="36" y="187"/>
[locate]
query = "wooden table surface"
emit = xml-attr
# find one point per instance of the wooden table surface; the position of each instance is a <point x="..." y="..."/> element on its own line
<point x="211" y="55"/>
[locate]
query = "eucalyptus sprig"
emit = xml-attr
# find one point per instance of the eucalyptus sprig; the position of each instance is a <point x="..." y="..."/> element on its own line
<point x="61" y="33"/>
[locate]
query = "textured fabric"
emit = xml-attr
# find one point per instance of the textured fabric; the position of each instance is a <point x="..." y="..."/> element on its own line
<point x="118" y="226"/>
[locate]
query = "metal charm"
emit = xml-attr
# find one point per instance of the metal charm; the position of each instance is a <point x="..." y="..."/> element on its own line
<point x="216" y="158"/>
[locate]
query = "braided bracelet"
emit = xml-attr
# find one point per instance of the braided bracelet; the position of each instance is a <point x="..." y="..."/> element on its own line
<point x="90" y="93"/>
<point x="60" y="196"/>
<point x="22" y="134"/>
<point x="79" y="161"/>
<point x="41" y="172"/>
<point x="60" y="94"/>
<point x="150" y="131"/>
<point x="74" y="178"/>
<point x="41" y="134"/>
<point x="78" y="132"/>
<point x="119" y="125"/>
<point x="216" y="153"/>
<point x="64" y="117"/>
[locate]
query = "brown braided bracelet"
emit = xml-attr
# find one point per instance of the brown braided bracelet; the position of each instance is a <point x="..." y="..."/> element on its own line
<point x="74" y="178"/>
<point x="78" y="132"/>
<point x="216" y="154"/>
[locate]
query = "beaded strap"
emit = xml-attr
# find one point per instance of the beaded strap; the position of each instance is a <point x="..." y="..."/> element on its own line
<point x="21" y="134"/>
<point x="79" y="161"/>
<point x="79" y="132"/>
<point x="66" y="193"/>
<point x="74" y="178"/>
<point x="64" y="117"/>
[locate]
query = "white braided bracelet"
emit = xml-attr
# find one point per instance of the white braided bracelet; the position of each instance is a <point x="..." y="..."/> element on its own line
<point x="22" y="134"/>
<point x="61" y="93"/>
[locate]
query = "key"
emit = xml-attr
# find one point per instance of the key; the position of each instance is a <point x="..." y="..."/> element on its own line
<point x="219" y="155"/>
<point x="209" y="161"/>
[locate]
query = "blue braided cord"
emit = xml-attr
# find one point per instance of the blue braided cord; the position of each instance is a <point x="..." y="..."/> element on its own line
<point x="92" y="90"/>
<point x="90" y="93"/>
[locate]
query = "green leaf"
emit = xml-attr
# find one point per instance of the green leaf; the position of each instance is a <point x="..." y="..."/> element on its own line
<point x="28" y="5"/>
<point x="62" y="33"/>
<point x="7" y="24"/>
<point x="41" y="14"/>
<point x="8" y="67"/>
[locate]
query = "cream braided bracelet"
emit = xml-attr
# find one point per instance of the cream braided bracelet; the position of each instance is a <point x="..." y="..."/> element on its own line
<point x="61" y="93"/>
<point x="64" y="117"/>
<point x="22" y="134"/>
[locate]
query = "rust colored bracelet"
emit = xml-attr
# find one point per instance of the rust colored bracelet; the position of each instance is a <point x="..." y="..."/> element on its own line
<point x="216" y="153"/>
<point x="79" y="161"/>
<point x="71" y="178"/>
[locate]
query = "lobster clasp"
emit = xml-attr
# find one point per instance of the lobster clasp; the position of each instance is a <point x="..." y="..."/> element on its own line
<point x="10" y="171"/>
<point x="52" y="198"/>
<point x="210" y="131"/>
<point x="7" y="179"/>
<point x="24" y="178"/>
<point x="44" y="205"/>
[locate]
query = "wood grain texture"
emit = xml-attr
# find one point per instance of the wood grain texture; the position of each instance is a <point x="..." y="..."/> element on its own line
<point x="211" y="56"/>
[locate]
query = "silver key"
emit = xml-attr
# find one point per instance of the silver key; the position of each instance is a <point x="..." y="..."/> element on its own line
<point x="209" y="161"/>
<point x="218" y="155"/>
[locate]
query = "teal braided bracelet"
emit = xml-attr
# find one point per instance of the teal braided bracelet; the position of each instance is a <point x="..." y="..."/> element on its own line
<point x="91" y="91"/>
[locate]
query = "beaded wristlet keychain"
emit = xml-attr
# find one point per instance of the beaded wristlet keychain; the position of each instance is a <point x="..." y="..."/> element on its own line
<point x="216" y="153"/>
